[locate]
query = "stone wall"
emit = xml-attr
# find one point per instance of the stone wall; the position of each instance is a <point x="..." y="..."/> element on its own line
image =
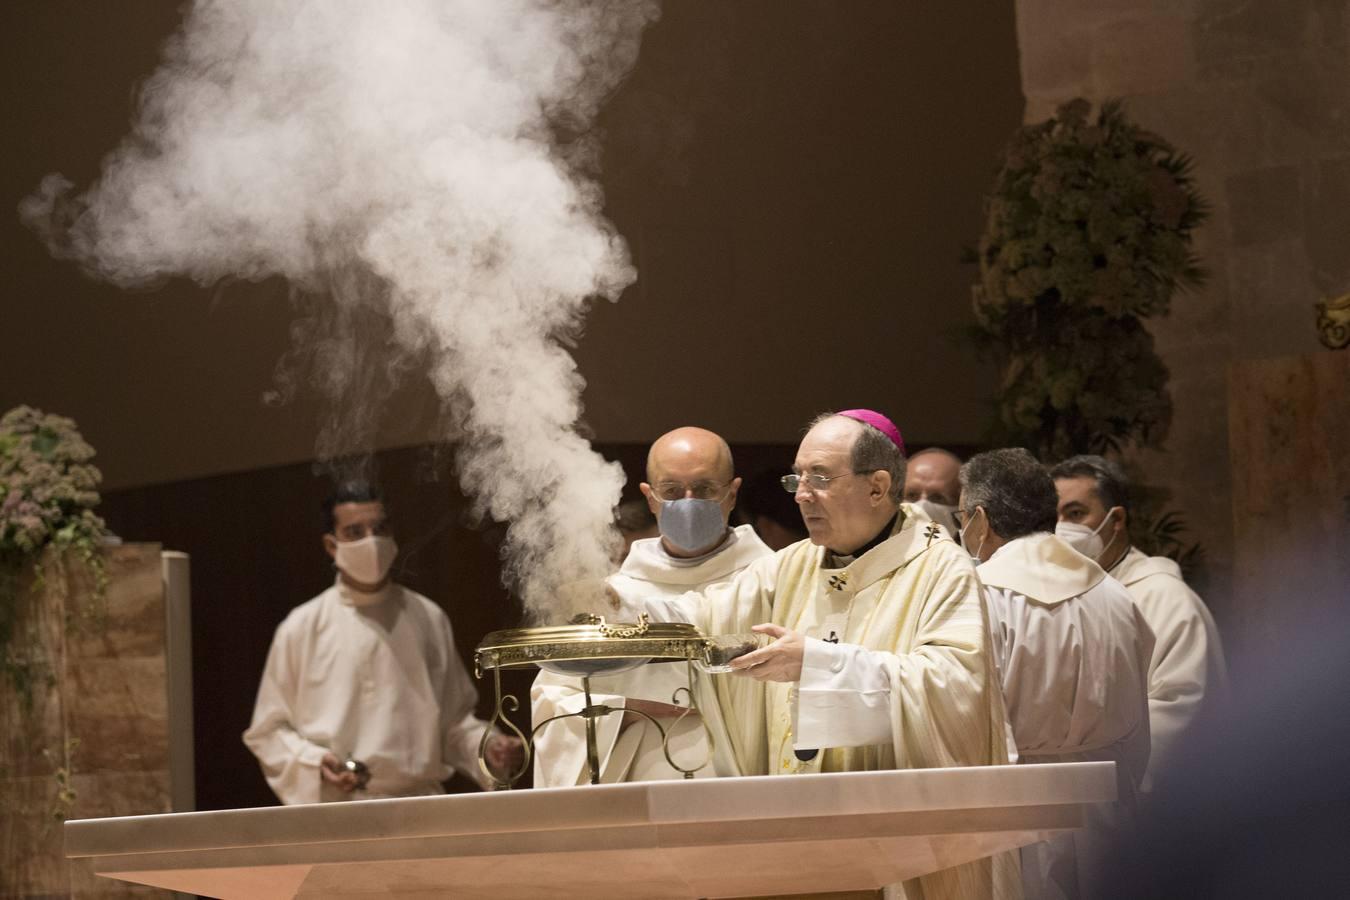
<point x="1258" y="92"/>
<point x="100" y="726"/>
<point x="1290" y="438"/>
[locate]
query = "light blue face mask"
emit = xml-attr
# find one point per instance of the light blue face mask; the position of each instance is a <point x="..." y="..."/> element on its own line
<point x="691" y="525"/>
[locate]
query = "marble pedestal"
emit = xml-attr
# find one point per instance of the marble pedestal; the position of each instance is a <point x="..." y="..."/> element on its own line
<point x="729" y="837"/>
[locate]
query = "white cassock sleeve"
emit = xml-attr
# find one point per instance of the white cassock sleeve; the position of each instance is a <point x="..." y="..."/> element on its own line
<point x="1187" y="667"/>
<point x="290" y="763"/>
<point x="843" y="697"/>
<point x="463" y="730"/>
<point x="996" y="604"/>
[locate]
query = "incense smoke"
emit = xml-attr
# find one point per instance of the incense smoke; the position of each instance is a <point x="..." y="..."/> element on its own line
<point x="401" y="161"/>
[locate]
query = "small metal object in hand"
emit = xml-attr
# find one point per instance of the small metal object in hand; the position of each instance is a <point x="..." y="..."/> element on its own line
<point x="720" y="650"/>
<point x="359" y="769"/>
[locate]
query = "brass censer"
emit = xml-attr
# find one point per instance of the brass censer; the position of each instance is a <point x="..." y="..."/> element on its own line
<point x="588" y="647"/>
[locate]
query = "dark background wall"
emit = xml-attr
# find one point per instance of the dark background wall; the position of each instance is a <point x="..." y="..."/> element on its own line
<point x="795" y="180"/>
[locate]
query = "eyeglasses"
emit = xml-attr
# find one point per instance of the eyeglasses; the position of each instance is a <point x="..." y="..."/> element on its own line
<point x="794" y="483"/>
<point x="699" y="490"/>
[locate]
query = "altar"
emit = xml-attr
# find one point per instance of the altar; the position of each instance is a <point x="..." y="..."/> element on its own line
<point x="724" y="837"/>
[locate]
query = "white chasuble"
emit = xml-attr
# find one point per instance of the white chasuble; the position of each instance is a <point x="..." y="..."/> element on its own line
<point x="1187" y="670"/>
<point x="1072" y="652"/>
<point x="910" y="682"/>
<point x="634" y="752"/>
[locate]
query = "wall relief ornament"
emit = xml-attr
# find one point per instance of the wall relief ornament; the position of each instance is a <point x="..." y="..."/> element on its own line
<point x="1333" y="322"/>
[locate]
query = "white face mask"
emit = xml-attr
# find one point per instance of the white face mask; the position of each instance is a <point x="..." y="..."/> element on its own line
<point x="940" y="513"/>
<point x="1087" y="541"/>
<point x="367" y="560"/>
<point x="961" y="536"/>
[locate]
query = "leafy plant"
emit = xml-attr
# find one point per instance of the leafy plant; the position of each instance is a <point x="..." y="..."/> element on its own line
<point x="48" y="490"/>
<point x="1088" y="231"/>
<point x="1158" y="531"/>
<point x="66" y="794"/>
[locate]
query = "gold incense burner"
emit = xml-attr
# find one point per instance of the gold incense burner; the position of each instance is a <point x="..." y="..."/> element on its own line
<point x="588" y="647"/>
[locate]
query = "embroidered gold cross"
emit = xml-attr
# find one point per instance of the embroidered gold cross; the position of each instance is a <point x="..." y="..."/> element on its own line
<point x="931" y="532"/>
<point x="838" y="582"/>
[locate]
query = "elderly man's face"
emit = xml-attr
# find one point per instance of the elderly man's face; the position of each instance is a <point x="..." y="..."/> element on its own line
<point x="935" y="477"/>
<point x="842" y="514"/>
<point x="689" y="468"/>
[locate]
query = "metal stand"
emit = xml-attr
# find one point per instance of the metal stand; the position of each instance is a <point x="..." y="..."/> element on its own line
<point x="588" y="714"/>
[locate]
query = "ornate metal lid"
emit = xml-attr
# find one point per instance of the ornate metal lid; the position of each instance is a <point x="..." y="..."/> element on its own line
<point x="589" y="646"/>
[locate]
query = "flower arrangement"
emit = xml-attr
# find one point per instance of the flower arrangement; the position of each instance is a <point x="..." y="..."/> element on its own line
<point x="48" y="485"/>
<point x="48" y="491"/>
<point x="1088" y="231"/>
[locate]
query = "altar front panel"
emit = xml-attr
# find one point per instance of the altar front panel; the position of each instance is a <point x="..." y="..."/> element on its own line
<point x="724" y="837"/>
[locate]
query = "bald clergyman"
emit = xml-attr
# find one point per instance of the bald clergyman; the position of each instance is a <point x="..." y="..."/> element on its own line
<point x="691" y="489"/>
<point x="881" y="655"/>
<point x="933" y="483"/>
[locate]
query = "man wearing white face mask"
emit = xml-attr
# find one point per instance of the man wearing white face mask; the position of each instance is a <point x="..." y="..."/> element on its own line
<point x="691" y="489"/>
<point x="933" y="483"/>
<point x="364" y="694"/>
<point x="1071" y="651"/>
<point x="1187" y="668"/>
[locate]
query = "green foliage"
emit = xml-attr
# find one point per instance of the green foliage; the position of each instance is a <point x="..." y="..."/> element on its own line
<point x="1095" y="212"/>
<point x="48" y="489"/>
<point x="1084" y="383"/>
<point x="1088" y="231"/>
<point x="1158" y="531"/>
<point x="65" y="785"/>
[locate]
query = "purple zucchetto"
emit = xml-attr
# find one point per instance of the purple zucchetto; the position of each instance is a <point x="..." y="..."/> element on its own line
<point x="877" y="421"/>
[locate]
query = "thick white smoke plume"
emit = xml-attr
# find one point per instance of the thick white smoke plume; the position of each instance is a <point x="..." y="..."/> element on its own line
<point x="399" y="159"/>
